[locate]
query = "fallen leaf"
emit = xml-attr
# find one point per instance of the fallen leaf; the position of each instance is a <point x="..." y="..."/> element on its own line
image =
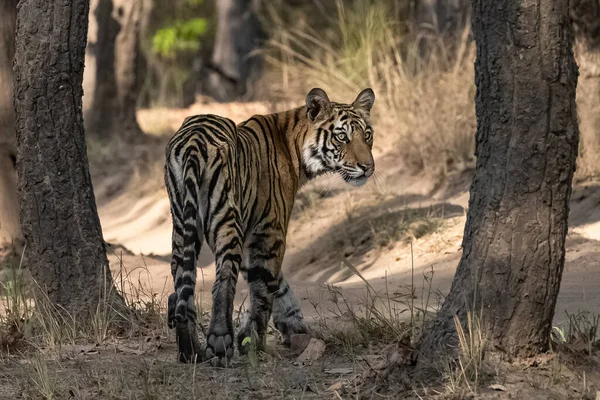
<point x="335" y="387"/>
<point x="313" y="351"/>
<point x="500" y="388"/>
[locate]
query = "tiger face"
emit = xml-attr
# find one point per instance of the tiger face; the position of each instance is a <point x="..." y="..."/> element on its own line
<point x="341" y="138"/>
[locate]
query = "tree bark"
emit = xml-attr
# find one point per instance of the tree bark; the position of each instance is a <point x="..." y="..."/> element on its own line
<point x="114" y="49"/>
<point x="10" y="230"/>
<point x="232" y="64"/>
<point x="526" y="145"/>
<point x="65" y="248"/>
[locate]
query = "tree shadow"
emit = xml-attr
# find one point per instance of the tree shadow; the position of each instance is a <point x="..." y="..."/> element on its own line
<point x="585" y="204"/>
<point x="367" y="228"/>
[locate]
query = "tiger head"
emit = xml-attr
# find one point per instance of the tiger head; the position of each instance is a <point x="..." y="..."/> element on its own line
<point x="340" y="138"/>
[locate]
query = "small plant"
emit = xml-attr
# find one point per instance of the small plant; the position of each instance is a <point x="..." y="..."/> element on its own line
<point x="251" y="342"/>
<point x="581" y="333"/>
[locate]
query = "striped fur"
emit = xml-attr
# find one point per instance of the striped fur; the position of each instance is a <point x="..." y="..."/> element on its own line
<point x="235" y="186"/>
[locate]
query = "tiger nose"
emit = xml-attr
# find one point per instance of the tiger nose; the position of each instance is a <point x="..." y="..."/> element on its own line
<point x="367" y="169"/>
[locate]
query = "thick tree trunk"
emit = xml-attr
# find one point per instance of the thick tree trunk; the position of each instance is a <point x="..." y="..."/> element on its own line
<point x="526" y="146"/>
<point x="115" y="52"/>
<point x="65" y="248"/>
<point x="10" y="230"/>
<point x="232" y="64"/>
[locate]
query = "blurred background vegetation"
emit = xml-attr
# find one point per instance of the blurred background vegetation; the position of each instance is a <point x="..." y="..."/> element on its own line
<point x="153" y="57"/>
<point x="417" y="55"/>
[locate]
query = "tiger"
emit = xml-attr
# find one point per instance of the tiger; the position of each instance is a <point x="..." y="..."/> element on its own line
<point x="234" y="186"/>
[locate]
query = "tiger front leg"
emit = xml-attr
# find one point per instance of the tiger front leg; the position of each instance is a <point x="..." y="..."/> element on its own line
<point x="287" y="315"/>
<point x="265" y="253"/>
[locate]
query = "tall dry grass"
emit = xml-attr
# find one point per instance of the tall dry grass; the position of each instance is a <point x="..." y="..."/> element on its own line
<point x="424" y="108"/>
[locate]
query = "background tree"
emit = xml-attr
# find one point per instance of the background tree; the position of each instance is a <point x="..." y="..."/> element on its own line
<point x="10" y="230"/>
<point x="526" y="144"/>
<point x="586" y="21"/>
<point x="440" y="25"/>
<point x="178" y="44"/>
<point x="65" y="248"/>
<point x="114" y="80"/>
<point x="238" y="35"/>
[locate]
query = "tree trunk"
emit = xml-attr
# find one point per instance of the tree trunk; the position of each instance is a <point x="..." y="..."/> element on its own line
<point x="115" y="50"/>
<point x="526" y="146"/>
<point x="10" y="231"/>
<point x="65" y="248"/>
<point x="232" y="64"/>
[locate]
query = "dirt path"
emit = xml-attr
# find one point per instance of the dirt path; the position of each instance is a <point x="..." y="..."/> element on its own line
<point x="332" y="222"/>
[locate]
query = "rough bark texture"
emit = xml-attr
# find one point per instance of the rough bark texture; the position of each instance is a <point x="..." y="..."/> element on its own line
<point x="114" y="49"/>
<point x="232" y="64"/>
<point x="10" y="230"/>
<point x="65" y="248"/>
<point x="526" y="146"/>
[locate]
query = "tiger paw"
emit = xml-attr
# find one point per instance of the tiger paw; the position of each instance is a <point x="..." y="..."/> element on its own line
<point x="188" y="345"/>
<point x="289" y="327"/>
<point x="219" y="349"/>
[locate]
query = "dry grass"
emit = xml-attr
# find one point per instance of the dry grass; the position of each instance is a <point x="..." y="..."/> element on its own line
<point x="370" y="341"/>
<point x="426" y="109"/>
<point x="468" y="367"/>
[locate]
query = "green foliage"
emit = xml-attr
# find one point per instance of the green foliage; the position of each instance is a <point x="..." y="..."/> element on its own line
<point x="179" y="37"/>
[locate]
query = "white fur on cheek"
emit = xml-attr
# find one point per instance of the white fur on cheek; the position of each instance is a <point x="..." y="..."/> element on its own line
<point x="313" y="165"/>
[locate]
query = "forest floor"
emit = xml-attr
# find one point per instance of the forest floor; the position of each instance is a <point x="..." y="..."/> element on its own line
<point x="364" y="262"/>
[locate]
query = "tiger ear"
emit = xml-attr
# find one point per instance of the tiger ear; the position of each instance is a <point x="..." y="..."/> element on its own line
<point x="364" y="101"/>
<point x="317" y="103"/>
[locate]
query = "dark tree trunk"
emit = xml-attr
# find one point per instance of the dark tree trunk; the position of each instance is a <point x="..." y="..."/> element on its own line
<point x="115" y="50"/>
<point x="526" y="146"/>
<point x="10" y="231"/>
<point x="232" y="64"/>
<point x="65" y="248"/>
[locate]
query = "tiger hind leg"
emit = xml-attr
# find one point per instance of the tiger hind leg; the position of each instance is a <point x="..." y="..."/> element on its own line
<point x="186" y="243"/>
